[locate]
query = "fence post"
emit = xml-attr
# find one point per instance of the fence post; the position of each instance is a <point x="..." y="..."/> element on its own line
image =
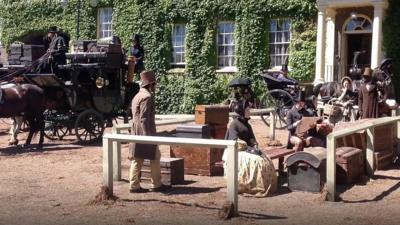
<point x="116" y="156"/>
<point x="331" y="168"/>
<point x="370" y="151"/>
<point x="272" y="125"/>
<point x="107" y="164"/>
<point x="232" y="176"/>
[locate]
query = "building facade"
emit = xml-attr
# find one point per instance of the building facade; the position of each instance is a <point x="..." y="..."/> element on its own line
<point x="347" y="29"/>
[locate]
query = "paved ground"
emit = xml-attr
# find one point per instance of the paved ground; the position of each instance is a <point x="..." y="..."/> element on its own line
<point x="54" y="186"/>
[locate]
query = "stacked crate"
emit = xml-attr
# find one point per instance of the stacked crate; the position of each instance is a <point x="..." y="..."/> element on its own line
<point x="210" y="122"/>
<point x="171" y="171"/>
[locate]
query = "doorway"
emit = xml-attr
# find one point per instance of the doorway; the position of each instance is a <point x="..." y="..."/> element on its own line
<point x="359" y="49"/>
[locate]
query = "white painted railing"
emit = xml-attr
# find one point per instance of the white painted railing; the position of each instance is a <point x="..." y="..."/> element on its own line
<point x="331" y="149"/>
<point x="112" y="153"/>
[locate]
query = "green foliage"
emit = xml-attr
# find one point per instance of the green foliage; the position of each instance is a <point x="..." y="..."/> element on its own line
<point x="153" y="19"/>
<point x="391" y="39"/>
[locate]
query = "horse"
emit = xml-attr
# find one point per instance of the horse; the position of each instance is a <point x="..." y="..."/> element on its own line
<point x="26" y="99"/>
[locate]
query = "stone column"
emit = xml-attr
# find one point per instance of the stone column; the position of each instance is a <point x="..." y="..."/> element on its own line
<point x="320" y="56"/>
<point x="376" y="52"/>
<point x="330" y="45"/>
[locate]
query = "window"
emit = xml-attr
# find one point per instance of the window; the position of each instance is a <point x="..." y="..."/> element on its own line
<point x="226" y="44"/>
<point x="279" y="39"/>
<point x="178" y="44"/>
<point x="105" y="23"/>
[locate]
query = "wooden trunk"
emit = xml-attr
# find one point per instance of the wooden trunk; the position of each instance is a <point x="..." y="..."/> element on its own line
<point x="385" y="138"/>
<point x="218" y="131"/>
<point x="171" y="171"/>
<point x="383" y="159"/>
<point x="199" y="160"/>
<point x="212" y="114"/>
<point x="351" y="161"/>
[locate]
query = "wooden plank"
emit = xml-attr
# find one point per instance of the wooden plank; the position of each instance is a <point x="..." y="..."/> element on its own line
<point x="272" y="125"/>
<point x="331" y="168"/>
<point x="216" y="143"/>
<point x="232" y="176"/>
<point x="108" y="164"/>
<point x="370" y="151"/>
<point x="116" y="157"/>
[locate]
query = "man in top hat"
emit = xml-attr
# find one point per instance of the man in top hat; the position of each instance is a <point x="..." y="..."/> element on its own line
<point x="136" y="55"/>
<point x="143" y="113"/>
<point x="55" y="53"/>
<point x="283" y="76"/>
<point x="368" y="96"/>
<point x="293" y="120"/>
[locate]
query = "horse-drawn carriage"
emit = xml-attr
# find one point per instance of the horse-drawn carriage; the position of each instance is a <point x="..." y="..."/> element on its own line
<point x="86" y="93"/>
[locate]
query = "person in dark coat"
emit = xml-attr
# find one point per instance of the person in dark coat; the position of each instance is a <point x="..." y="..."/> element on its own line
<point x="240" y="128"/>
<point x="293" y="119"/>
<point x="283" y="76"/>
<point x="368" y="96"/>
<point x="55" y="53"/>
<point x="143" y="113"/>
<point x="136" y="52"/>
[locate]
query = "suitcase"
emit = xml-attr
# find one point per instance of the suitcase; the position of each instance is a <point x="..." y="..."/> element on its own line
<point x="350" y="162"/>
<point x="212" y="114"/>
<point x="199" y="160"/>
<point x="193" y="131"/>
<point x="171" y="171"/>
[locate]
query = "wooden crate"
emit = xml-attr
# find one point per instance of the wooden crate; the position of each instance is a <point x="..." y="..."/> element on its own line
<point x="211" y="114"/>
<point x="385" y="138"/>
<point x="199" y="160"/>
<point x="171" y="171"/>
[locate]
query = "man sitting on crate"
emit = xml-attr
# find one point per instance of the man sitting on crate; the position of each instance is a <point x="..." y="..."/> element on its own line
<point x="55" y="54"/>
<point x="309" y="137"/>
<point x="256" y="171"/>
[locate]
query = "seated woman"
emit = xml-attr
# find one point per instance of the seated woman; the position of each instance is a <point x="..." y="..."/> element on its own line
<point x="256" y="171"/>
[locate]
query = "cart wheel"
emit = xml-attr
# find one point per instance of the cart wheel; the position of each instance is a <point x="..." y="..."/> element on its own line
<point x="282" y="101"/>
<point x="89" y="126"/>
<point x="54" y="131"/>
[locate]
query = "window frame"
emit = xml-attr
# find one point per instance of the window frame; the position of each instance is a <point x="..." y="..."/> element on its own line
<point x="285" y="56"/>
<point x="229" y="68"/>
<point x="99" y="23"/>
<point x="183" y="46"/>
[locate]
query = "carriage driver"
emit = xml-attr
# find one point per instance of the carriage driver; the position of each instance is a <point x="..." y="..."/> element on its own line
<point x="55" y="53"/>
<point x="283" y="76"/>
<point x="294" y="117"/>
<point x="143" y="112"/>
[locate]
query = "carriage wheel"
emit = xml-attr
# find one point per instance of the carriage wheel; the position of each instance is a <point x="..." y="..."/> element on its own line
<point x="54" y="131"/>
<point x="281" y="101"/>
<point x="89" y="126"/>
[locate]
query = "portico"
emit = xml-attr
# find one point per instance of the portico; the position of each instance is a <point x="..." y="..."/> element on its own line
<point x="349" y="31"/>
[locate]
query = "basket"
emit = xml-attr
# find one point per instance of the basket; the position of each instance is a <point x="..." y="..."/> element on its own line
<point x="331" y="110"/>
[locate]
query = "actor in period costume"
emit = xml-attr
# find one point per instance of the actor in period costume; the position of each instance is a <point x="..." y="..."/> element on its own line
<point x="368" y="96"/>
<point x="143" y="112"/>
<point x="256" y="171"/>
<point x="135" y="57"/>
<point x="283" y="76"/>
<point x="293" y="119"/>
<point x="55" y="52"/>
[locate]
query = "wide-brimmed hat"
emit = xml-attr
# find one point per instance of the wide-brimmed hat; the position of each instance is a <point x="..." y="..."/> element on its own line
<point x="385" y="62"/>
<point x="147" y="77"/>
<point x="284" y="68"/>
<point x="367" y="72"/>
<point x="53" y="29"/>
<point x="346" y="78"/>
<point x="301" y="97"/>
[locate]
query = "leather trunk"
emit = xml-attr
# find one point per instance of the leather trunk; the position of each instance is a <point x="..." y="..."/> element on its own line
<point x="383" y="159"/>
<point x="212" y="114"/>
<point x="218" y="131"/>
<point x="171" y="171"/>
<point x="199" y="160"/>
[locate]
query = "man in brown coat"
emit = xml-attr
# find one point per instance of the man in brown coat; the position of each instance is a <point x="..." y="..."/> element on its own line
<point x="143" y="112"/>
<point x="368" y="96"/>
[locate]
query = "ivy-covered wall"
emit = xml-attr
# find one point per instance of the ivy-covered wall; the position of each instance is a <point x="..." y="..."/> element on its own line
<point x="153" y="19"/>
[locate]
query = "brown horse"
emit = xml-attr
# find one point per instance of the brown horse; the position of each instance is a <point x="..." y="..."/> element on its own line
<point x="27" y="100"/>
